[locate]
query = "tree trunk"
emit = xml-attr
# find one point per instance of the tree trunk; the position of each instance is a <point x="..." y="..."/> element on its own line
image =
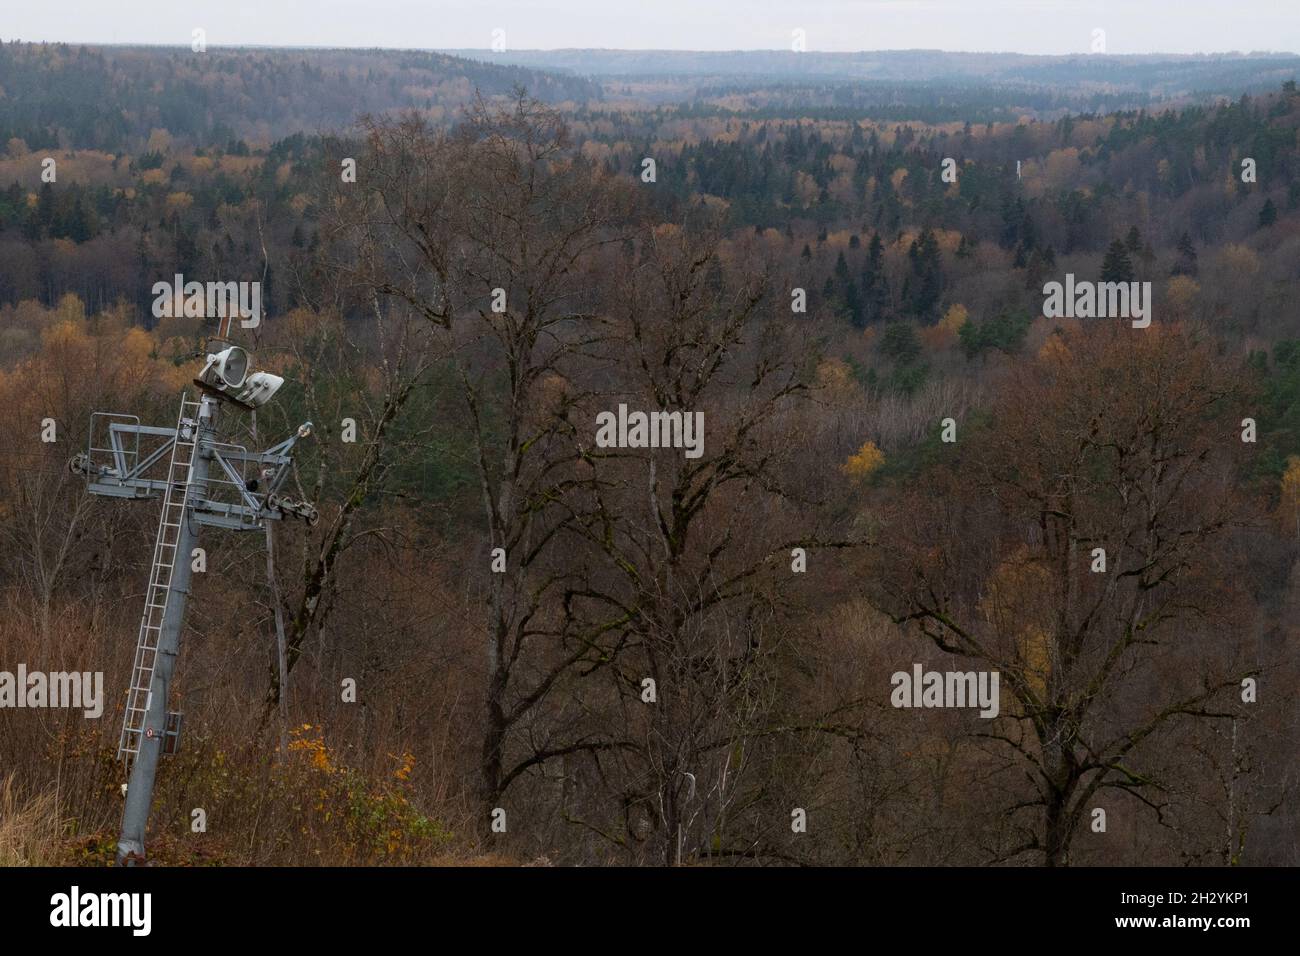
<point x="1056" y="848"/>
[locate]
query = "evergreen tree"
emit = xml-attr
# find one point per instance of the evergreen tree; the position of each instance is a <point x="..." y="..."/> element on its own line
<point x="841" y="268"/>
<point x="1013" y="218"/>
<point x="1267" y="215"/>
<point x="1186" y="264"/>
<point x="899" y="343"/>
<point x="79" y="226"/>
<point x="925" y="282"/>
<point x="1117" y="266"/>
<point x="45" y="208"/>
<point x="875" y="286"/>
<point x="853" y="305"/>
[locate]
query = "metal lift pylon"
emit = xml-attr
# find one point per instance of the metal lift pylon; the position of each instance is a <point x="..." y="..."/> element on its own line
<point x="206" y="482"/>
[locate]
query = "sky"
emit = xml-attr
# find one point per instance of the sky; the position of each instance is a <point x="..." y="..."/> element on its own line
<point x="1022" y="26"/>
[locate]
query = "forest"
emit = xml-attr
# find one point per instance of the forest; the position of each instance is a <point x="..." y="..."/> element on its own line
<point x="566" y="650"/>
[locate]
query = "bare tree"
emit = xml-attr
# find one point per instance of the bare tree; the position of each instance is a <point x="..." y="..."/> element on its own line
<point x="496" y="232"/>
<point x="1117" y="442"/>
<point x="692" y="552"/>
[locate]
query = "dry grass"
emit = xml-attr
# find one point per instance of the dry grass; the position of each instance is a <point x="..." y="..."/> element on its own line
<point x="29" y="830"/>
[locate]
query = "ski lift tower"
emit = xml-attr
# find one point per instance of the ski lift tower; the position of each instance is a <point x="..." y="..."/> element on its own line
<point x="201" y="481"/>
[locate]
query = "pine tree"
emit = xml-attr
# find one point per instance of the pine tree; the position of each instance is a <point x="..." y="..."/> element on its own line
<point x="875" y="287"/>
<point x="1267" y="215"/>
<point x="1117" y="266"/>
<point x="1186" y="264"/>
<point x="853" y="305"/>
<point x="925" y="284"/>
<point x="45" y="207"/>
<point x="80" y="227"/>
<point x="841" y="268"/>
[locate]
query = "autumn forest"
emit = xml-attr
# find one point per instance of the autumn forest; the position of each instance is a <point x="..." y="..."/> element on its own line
<point x="508" y="637"/>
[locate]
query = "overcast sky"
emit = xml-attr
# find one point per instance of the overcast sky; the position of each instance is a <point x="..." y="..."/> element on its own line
<point x="1024" y="26"/>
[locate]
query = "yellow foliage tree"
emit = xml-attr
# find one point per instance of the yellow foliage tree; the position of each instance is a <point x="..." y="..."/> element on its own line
<point x="954" y="318"/>
<point x="1035" y="651"/>
<point x="1061" y="170"/>
<point x="1013" y="603"/>
<point x="836" y="379"/>
<point x="1239" y="260"/>
<point x="867" y="460"/>
<point x="160" y="141"/>
<point x="1054" y="350"/>
<point x="70" y="308"/>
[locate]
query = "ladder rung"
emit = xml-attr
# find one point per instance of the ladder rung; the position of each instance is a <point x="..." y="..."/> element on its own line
<point x="172" y="516"/>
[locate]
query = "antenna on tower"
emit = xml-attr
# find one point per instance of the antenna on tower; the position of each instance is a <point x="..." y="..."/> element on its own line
<point x="202" y="482"/>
